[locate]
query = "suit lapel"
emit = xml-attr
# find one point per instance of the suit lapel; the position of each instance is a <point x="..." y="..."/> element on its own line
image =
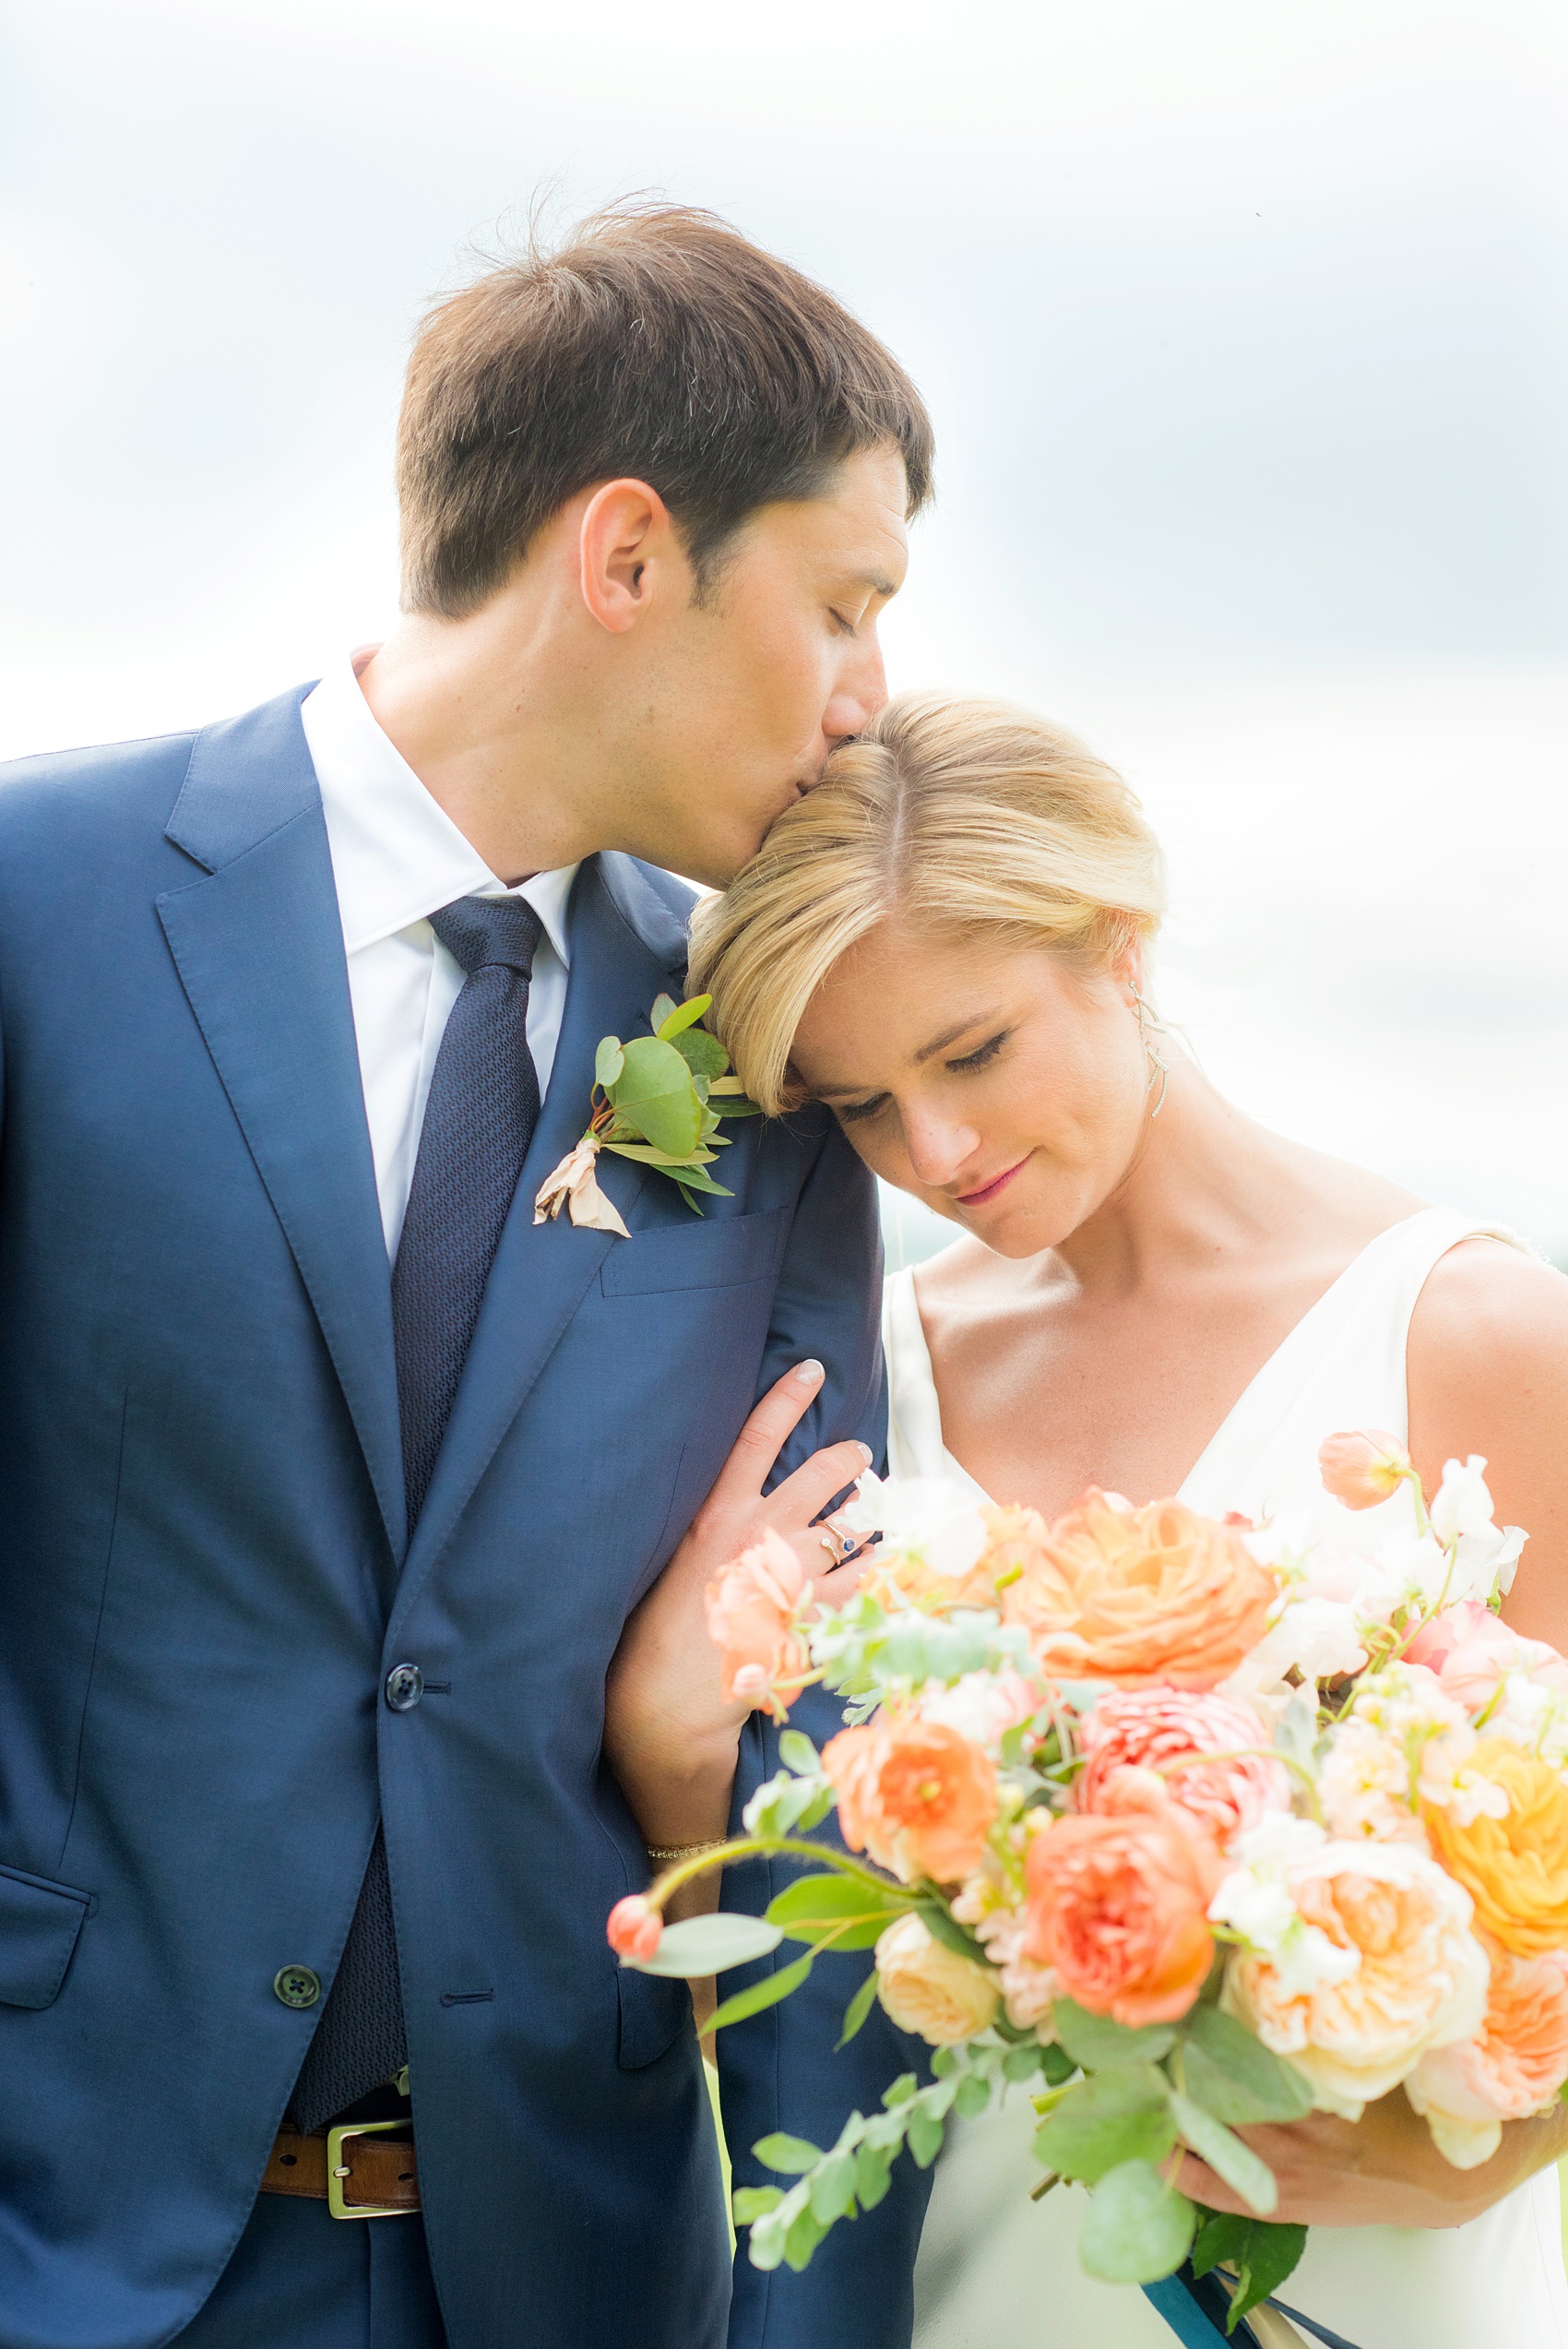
<point x="259" y="950"/>
<point x="625" y="947"/>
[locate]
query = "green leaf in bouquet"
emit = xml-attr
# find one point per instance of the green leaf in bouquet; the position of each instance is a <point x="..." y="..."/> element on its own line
<point x="943" y="1928"/>
<point x="765" y="1993"/>
<point x="608" y="1062"/>
<point x="1119" y="2116"/>
<point x="833" y="2187"/>
<point x="925" y="2134"/>
<point x="874" y="2174"/>
<point x="858" y="2009"/>
<point x="806" y="2231"/>
<point x="1136" y="2228"/>
<point x="692" y="1178"/>
<point x="1261" y="2253"/>
<point x="791" y="2156"/>
<point x="797" y="1753"/>
<point x="1056" y="2064"/>
<point x="654" y="1093"/>
<point x="972" y="2097"/>
<point x="850" y="1913"/>
<point x="901" y="2090"/>
<point x="671" y="1018"/>
<point x="1234" y="2076"/>
<point x="1225" y="2155"/>
<point x="753" y="2202"/>
<point x="732" y="1105"/>
<point x="1022" y="2063"/>
<point x="1095" y="2042"/>
<point x="703" y="1945"/>
<point x="766" y="2248"/>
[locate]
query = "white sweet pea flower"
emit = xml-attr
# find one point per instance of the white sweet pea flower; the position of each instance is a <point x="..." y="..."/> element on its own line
<point x="982" y="1706"/>
<point x="1254" y="1901"/>
<point x="927" y="1518"/>
<point x="1320" y="1637"/>
<point x="1462" y="1503"/>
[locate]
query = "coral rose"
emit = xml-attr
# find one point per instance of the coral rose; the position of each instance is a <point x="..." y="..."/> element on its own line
<point x="1171" y="1731"/>
<point x="1515" y="1867"/>
<point x="1116" y="1908"/>
<point x="1418" y="1979"/>
<point x="1363" y="1466"/>
<point x="751" y="1607"/>
<point x="918" y="1797"/>
<point x="1513" y="2065"/>
<point x="930" y="1989"/>
<point x="1141" y="1595"/>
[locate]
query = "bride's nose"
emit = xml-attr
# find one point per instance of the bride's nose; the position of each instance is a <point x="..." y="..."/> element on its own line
<point x="938" y="1146"/>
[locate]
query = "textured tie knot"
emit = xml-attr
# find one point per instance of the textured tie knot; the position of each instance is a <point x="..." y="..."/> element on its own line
<point x="480" y="932"/>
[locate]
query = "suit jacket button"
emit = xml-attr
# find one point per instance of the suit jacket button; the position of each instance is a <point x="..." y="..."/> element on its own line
<point x="404" y="1687"/>
<point x="297" y="1985"/>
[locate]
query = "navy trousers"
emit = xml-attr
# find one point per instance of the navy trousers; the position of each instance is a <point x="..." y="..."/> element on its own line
<point x="301" y="2279"/>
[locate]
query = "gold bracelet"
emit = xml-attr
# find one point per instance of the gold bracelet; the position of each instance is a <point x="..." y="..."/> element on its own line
<point x="686" y="1851"/>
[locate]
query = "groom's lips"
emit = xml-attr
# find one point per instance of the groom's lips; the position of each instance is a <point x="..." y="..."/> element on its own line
<point x="990" y="1190"/>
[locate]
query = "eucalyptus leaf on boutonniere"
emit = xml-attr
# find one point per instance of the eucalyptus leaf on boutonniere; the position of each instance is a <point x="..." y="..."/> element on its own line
<point x="659" y="1099"/>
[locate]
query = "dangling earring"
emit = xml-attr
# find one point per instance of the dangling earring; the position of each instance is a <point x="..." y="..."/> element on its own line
<point x="1151" y="1027"/>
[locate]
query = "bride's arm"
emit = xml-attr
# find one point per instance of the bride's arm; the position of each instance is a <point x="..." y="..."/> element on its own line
<point x="1488" y="1367"/>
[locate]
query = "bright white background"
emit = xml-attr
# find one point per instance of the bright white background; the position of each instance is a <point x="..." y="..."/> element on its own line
<point x="1243" y="322"/>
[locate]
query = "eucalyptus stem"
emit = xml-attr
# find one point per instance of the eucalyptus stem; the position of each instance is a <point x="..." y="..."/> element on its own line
<point x="740" y="1847"/>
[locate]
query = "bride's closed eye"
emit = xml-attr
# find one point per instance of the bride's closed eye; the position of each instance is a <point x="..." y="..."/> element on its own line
<point x="982" y="1055"/>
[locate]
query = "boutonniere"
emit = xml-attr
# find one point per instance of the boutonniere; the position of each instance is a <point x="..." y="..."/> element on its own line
<point x="659" y="1099"/>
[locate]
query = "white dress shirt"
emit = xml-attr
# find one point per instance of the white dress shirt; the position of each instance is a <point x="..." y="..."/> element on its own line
<point x="396" y="857"/>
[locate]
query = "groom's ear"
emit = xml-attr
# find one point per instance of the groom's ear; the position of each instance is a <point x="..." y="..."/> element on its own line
<point x="629" y="553"/>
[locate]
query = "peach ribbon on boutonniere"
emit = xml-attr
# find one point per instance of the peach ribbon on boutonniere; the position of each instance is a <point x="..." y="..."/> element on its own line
<point x="658" y="1099"/>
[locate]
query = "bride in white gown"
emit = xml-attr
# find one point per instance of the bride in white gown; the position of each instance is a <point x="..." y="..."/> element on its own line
<point x="946" y="942"/>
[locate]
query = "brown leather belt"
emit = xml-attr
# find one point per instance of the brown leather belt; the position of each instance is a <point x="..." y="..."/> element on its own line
<point x="367" y="2172"/>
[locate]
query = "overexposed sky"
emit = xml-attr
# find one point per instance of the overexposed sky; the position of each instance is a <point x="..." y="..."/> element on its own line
<point x="1242" y="323"/>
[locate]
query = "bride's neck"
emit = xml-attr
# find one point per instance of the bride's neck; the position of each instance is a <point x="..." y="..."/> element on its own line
<point x="1205" y="1185"/>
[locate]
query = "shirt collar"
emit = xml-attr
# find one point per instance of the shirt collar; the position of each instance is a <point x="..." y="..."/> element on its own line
<point x="396" y="855"/>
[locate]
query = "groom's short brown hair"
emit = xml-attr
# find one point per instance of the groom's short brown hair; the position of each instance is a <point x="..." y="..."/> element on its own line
<point x="656" y="342"/>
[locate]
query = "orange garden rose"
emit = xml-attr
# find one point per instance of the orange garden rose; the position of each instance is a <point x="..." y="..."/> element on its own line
<point x="1139" y="1596"/>
<point x="751" y="1603"/>
<point x="1513" y="2065"/>
<point x="1117" y="1907"/>
<point x="1516" y="1868"/>
<point x="916" y="1795"/>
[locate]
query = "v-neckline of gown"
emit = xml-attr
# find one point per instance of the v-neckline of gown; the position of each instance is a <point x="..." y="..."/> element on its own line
<point x="1296" y="1337"/>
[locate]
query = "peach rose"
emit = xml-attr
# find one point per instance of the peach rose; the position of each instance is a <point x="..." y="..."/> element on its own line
<point x="753" y="1603"/>
<point x="918" y="1797"/>
<point x="1513" y="2065"/>
<point x="1363" y="1466"/>
<point x="1141" y="1595"/>
<point x="930" y="1989"/>
<point x="1116" y="1906"/>
<point x="1410" y="1973"/>
<point x="1472" y="1650"/>
<point x="1516" y="1866"/>
<point x="1171" y="1731"/>
<point x="1015" y="1541"/>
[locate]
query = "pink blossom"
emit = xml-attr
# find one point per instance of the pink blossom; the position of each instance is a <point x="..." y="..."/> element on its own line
<point x="1471" y="1649"/>
<point x="635" y="1928"/>
<point x="1171" y="1732"/>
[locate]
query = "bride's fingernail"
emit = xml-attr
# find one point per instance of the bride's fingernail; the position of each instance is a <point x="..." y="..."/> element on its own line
<point x="865" y="1451"/>
<point x="810" y="1373"/>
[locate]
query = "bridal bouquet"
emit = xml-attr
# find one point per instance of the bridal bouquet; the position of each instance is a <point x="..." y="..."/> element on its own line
<point x="1184" y="1823"/>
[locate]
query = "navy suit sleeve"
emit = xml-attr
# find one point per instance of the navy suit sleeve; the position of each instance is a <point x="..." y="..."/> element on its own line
<point x="778" y="2070"/>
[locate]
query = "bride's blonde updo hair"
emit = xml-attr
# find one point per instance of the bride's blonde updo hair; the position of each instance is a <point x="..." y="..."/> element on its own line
<point x="956" y="815"/>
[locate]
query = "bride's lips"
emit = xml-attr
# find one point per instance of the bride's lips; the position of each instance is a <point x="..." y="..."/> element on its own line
<point x="993" y="1190"/>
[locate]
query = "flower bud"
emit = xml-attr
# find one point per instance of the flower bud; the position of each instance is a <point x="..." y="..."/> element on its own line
<point x="634" y="1929"/>
<point x="1363" y="1466"/>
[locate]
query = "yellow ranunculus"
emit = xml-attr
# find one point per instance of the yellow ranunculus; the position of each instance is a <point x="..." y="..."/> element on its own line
<point x="1514" y="1868"/>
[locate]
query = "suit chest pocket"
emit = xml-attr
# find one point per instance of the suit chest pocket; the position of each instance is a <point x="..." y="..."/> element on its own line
<point x="705" y="1254"/>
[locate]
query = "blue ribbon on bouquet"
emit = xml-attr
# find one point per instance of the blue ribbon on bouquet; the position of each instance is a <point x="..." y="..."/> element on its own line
<point x="1196" y="2308"/>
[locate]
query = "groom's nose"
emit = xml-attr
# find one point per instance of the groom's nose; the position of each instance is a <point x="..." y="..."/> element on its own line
<point x="859" y="693"/>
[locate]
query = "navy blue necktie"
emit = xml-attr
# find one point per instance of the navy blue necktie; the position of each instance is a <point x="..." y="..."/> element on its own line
<point x="479" y="1121"/>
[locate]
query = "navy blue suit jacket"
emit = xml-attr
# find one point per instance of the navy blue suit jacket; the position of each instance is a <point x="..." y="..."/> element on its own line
<point x="205" y="1576"/>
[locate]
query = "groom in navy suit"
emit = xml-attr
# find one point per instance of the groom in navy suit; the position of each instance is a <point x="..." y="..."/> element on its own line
<point x="327" y="1478"/>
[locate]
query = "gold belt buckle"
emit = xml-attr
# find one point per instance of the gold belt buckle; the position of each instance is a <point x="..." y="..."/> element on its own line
<point x="337" y="2170"/>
